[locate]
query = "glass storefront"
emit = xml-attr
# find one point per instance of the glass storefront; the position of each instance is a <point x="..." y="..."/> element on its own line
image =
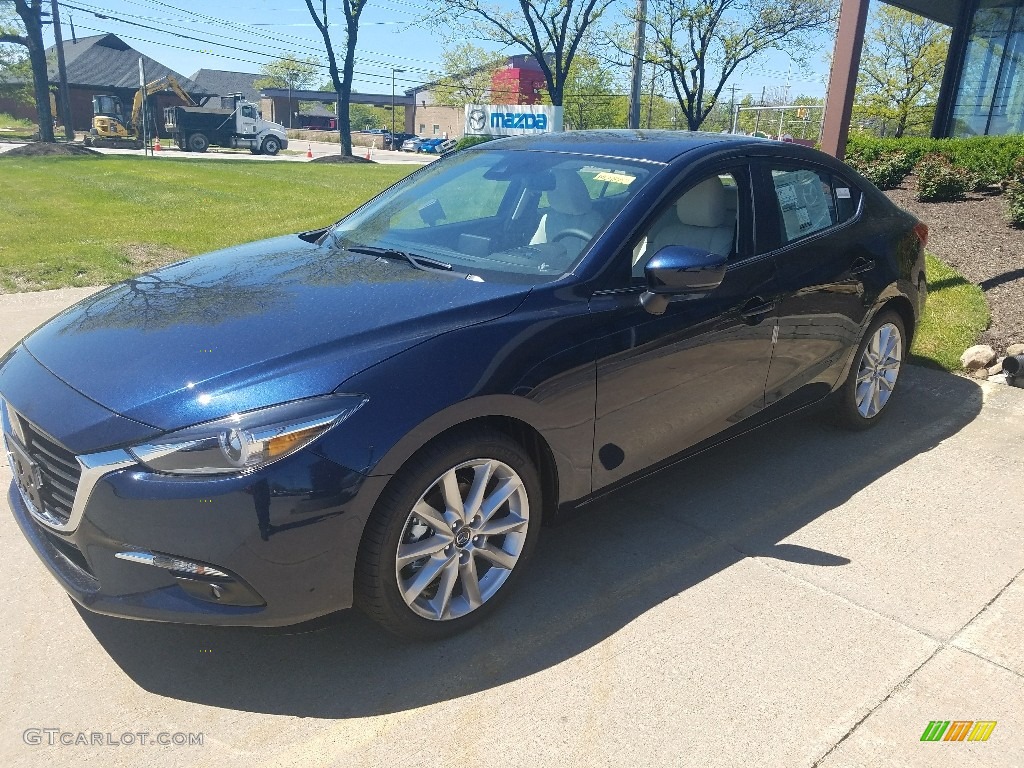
<point x="990" y="96"/>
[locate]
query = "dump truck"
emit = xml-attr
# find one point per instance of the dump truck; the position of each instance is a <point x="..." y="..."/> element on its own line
<point x="236" y="123"/>
<point x="113" y="129"/>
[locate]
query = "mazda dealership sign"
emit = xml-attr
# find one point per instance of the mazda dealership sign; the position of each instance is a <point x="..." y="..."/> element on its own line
<point x="511" y="119"/>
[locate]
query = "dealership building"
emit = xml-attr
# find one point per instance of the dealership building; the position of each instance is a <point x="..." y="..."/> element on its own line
<point x="983" y="86"/>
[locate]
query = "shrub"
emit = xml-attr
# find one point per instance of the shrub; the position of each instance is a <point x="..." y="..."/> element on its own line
<point x="886" y="171"/>
<point x="1015" y="195"/>
<point x="471" y="141"/>
<point x="938" y="180"/>
<point x="1015" y="203"/>
<point x="987" y="159"/>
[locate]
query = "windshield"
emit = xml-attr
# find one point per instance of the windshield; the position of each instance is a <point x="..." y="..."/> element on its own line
<point x="494" y="214"/>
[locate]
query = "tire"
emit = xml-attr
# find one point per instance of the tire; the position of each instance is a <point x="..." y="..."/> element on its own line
<point x="271" y="146"/>
<point x="197" y="142"/>
<point x="440" y="547"/>
<point x="874" y="375"/>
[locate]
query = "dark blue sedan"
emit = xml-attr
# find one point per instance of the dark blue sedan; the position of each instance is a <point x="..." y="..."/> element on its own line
<point x="385" y="412"/>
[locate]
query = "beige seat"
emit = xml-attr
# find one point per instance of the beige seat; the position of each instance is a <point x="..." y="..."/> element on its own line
<point x="702" y="218"/>
<point x="570" y="208"/>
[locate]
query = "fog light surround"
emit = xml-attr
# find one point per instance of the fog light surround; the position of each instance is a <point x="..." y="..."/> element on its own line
<point x="169" y="563"/>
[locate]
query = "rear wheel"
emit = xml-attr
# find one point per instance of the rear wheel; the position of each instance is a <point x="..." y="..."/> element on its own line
<point x="449" y="536"/>
<point x="875" y="372"/>
<point x="197" y="142"/>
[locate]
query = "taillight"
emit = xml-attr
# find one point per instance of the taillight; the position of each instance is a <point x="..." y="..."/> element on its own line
<point x="921" y="230"/>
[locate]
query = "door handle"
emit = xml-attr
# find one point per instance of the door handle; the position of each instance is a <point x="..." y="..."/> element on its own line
<point x="755" y="309"/>
<point x="861" y="265"/>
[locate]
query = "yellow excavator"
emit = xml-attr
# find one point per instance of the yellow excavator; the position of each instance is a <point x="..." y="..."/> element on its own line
<point x="111" y="129"/>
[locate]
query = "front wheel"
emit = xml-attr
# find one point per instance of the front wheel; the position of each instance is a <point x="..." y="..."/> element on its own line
<point x="875" y="372"/>
<point x="271" y="146"/>
<point x="449" y="535"/>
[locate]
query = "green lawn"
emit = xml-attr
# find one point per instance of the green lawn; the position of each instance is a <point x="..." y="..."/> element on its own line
<point x="95" y="220"/>
<point x="954" y="316"/>
<point x="15" y="128"/>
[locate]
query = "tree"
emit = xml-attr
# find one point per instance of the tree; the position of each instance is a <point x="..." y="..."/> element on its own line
<point x="15" y="67"/>
<point x="590" y="95"/>
<point x="31" y="37"/>
<point x="550" y="30"/>
<point x="703" y="42"/>
<point x="901" y="71"/>
<point x="291" y="72"/>
<point x="467" y="73"/>
<point x="342" y="81"/>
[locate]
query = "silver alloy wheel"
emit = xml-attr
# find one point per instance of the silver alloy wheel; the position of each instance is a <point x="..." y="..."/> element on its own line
<point x="462" y="539"/>
<point x="878" y="370"/>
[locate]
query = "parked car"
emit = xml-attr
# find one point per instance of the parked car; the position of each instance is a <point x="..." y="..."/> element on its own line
<point x="413" y="144"/>
<point x="395" y="141"/>
<point x="384" y="412"/>
<point x="437" y="146"/>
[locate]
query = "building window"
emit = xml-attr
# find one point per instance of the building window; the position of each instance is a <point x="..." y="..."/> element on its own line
<point x="990" y="95"/>
<point x="437" y="129"/>
<point x="423" y="128"/>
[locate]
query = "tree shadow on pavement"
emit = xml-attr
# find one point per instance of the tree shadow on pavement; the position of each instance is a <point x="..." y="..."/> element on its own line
<point x="590" y="577"/>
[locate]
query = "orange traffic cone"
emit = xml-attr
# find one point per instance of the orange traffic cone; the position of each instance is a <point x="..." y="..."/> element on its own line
<point x="156" y="147"/>
<point x="367" y="153"/>
<point x="309" y="150"/>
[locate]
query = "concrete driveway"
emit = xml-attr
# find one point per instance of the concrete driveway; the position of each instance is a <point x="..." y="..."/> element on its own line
<point x="800" y="596"/>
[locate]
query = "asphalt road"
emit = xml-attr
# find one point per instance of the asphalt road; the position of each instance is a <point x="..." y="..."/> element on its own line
<point x="800" y="596"/>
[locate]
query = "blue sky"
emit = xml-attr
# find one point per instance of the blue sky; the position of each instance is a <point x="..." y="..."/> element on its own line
<point x="241" y="35"/>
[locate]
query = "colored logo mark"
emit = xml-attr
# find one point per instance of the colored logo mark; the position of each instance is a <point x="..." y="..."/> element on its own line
<point x="958" y="730"/>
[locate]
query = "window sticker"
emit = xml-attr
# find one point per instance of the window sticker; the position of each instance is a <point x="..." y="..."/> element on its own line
<point x="787" y="197"/>
<point x="615" y="178"/>
<point x="843" y="193"/>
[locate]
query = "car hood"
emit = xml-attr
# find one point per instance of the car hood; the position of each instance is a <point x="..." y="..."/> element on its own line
<point x="251" y="326"/>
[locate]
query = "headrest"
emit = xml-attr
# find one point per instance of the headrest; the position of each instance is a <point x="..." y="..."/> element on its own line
<point x="705" y="205"/>
<point x="570" y="194"/>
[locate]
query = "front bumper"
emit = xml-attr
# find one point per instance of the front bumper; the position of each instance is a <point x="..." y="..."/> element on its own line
<point x="288" y="556"/>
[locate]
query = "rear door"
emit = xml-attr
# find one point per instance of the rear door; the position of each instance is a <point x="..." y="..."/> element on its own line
<point x="807" y="219"/>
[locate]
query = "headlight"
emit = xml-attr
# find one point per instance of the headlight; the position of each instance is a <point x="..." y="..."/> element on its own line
<point x="244" y="442"/>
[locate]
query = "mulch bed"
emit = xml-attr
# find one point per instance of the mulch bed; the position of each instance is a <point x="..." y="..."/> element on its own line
<point x="39" y="148"/>
<point x="974" y="238"/>
<point x="341" y="159"/>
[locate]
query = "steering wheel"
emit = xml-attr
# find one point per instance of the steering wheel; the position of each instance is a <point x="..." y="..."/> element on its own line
<point x="574" y="232"/>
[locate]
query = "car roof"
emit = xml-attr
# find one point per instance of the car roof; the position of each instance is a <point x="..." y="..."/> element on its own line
<point x="655" y="146"/>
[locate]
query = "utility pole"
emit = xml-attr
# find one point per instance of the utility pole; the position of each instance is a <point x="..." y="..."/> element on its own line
<point x="393" y="73"/>
<point x="63" y="104"/>
<point x="757" y="119"/>
<point x="636" y="84"/>
<point x="732" y="107"/>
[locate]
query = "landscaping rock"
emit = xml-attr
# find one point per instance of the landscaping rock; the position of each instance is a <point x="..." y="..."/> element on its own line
<point x="980" y="373"/>
<point x="997" y="368"/>
<point x="979" y="356"/>
<point x="1015" y="349"/>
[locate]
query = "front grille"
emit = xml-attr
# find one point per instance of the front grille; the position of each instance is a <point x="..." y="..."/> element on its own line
<point x="59" y="468"/>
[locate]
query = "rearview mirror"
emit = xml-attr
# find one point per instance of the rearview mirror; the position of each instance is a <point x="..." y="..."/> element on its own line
<point x="677" y="270"/>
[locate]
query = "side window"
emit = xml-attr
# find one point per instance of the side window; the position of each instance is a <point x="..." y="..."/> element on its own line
<point x="847" y="198"/>
<point x="806" y="202"/>
<point x="705" y="216"/>
<point x="248" y="111"/>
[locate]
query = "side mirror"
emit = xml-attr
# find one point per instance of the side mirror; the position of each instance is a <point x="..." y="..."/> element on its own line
<point x="677" y="270"/>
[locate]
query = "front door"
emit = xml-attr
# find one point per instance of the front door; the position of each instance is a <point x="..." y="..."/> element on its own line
<point x="665" y="383"/>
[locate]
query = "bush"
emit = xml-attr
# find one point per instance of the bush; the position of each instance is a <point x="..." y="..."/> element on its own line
<point x="471" y="141"/>
<point x="1015" y="195"/>
<point x="987" y="159"/>
<point x="939" y="181"/>
<point x="886" y="171"/>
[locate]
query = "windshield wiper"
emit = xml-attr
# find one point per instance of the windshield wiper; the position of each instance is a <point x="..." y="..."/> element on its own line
<point x="420" y="262"/>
